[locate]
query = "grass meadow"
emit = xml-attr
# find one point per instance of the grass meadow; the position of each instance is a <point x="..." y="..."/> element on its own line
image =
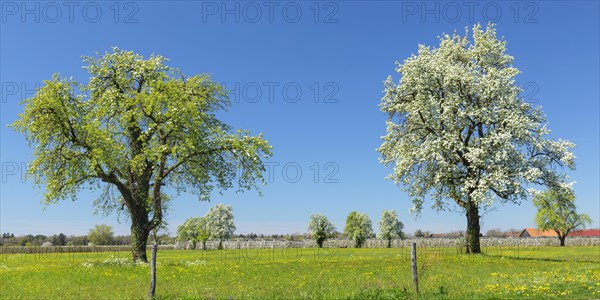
<point x="294" y="273"/>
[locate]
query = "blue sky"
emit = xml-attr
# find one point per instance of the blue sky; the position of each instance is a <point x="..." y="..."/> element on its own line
<point x="310" y="77"/>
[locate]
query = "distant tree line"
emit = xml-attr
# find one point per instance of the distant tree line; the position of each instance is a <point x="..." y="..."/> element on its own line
<point x="99" y="235"/>
<point x="9" y="239"/>
<point x="498" y="232"/>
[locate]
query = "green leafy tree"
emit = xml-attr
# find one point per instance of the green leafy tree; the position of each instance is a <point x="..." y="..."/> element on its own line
<point x="320" y="229"/>
<point x="194" y="230"/>
<point x="458" y="129"/>
<point x="135" y="127"/>
<point x="219" y="220"/>
<point x="557" y="211"/>
<point x="358" y="228"/>
<point x="59" y="240"/>
<point x="101" y="235"/>
<point x="390" y="227"/>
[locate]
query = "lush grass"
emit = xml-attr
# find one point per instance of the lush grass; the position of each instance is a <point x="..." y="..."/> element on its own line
<point x="546" y="272"/>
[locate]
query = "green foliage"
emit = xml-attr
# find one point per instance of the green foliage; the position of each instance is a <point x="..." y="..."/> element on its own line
<point x="557" y="211"/>
<point x="58" y="240"/>
<point x="101" y="235"/>
<point x="136" y="126"/>
<point x="320" y="229"/>
<point x="419" y="233"/>
<point x="358" y="228"/>
<point x="78" y="241"/>
<point x="390" y="227"/>
<point x="194" y="230"/>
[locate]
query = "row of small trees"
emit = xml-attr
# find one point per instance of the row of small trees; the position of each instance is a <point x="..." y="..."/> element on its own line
<point x="358" y="228"/>
<point x="218" y="224"/>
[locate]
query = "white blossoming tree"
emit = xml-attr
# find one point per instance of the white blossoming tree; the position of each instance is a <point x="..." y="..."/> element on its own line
<point x="390" y="227"/>
<point x="358" y="228"/>
<point x="320" y="229"/>
<point x="219" y="220"/>
<point x="458" y="129"/>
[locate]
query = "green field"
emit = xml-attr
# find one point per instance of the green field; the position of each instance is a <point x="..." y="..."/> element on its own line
<point x="546" y="272"/>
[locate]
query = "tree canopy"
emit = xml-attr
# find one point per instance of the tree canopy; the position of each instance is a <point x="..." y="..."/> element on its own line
<point x="459" y="129"/>
<point x="219" y="220"/>
<point x="358" y="228"/>
<point x="557" y="211"/>
<point x="390" y="227"/>
<point x="135" y="127"/>
<point x="101" y="235"/>
<point x="320" y="229"/>
<point x="194" y="230"/>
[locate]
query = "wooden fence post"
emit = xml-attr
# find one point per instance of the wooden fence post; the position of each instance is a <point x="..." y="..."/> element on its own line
<point x="153" y="272"/>
<point x="413" y="257"/>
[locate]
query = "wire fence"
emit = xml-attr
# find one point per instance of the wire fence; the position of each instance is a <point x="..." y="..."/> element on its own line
<point x="458" y="243"/>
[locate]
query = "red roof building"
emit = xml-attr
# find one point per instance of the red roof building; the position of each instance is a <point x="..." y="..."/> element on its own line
<point x="438" y="235"/>
<point x="535" y="232"/>
<point x="588" y="232"/>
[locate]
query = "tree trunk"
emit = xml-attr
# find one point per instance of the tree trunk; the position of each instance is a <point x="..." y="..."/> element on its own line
<point x="203" y="245"/>
<point x="140" y="225"/>
<point x="320" y="242"/>
<point x="562" y="240"/>
<point x="193" y="245"/>
<point x="473" y="229"/>
<point x="389" y="243"/>
<point x="139" y="238"/>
